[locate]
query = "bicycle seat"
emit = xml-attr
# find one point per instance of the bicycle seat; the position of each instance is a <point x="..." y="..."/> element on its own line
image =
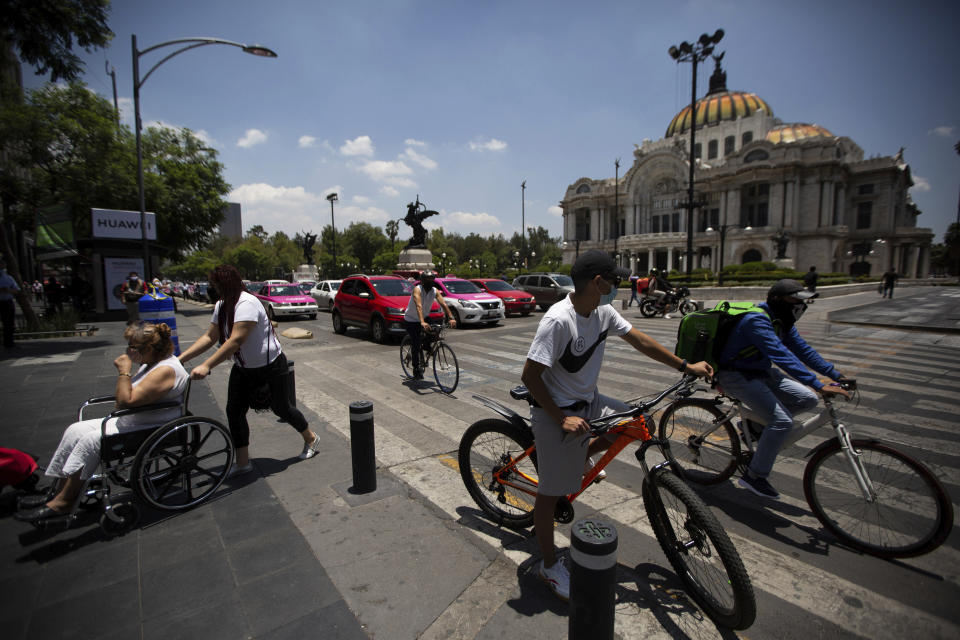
<point x="520" y="392"/>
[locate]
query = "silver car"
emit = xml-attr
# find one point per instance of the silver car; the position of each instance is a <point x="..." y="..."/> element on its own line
<point x="324" y="292"/>
<point x="546" y="288"/>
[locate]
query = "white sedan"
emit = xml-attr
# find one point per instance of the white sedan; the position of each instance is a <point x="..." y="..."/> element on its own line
<point x="324" y="292"/>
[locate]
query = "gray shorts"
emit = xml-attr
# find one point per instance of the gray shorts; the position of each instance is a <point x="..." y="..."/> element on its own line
<point x="560" y="460"/>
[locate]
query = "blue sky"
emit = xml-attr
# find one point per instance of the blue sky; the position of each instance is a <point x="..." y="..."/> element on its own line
<point x="460" y="101"/>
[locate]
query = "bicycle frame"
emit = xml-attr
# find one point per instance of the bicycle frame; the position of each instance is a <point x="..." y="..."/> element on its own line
<point x="629" y="431"/>
<point x="828" y="414"/>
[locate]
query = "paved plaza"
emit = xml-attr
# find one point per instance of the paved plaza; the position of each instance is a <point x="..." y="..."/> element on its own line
<point x="290" y="551"/>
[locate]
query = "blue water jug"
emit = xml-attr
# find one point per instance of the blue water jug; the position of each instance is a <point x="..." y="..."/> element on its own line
<point x="157" y="307"/>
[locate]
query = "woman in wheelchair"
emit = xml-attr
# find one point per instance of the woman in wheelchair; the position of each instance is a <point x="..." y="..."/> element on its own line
<point x="159" y="377"/>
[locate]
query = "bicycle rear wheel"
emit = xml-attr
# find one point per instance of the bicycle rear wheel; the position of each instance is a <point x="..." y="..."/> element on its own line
<point x="446" y="370"/>
<point x="699" y="550"/>
<point x="910" y="515"/>
<point x="707" y="452"/>
<point x="406" y="356"/>
<point x="486" y="447"/>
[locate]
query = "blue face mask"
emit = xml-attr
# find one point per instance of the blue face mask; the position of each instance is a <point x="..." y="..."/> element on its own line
<point x="610" y="297"/>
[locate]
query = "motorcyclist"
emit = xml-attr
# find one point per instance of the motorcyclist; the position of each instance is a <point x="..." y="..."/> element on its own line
<point x="659" y="287"/>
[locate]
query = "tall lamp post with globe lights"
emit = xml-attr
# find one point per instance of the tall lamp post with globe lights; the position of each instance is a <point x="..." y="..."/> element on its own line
<point x="693" y="53"/>
<point x="189" y="43"/>
<point x="723" y="237"/>
<point x="331" y="198"/>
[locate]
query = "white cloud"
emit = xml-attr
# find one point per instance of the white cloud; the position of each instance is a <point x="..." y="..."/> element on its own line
<point x="305" y="142"/>
<point x="293" y="209"/>
<point x="490" y="145"/>
<point x="389" y="191"/>
<point x="920" y="184"/>
<point x="361" y="200"/>
<point x="555" y="210"/>
<point x="252" y="137"/>
<point x="484" y="223"/>
<point x="401" y="182"/>
<point x="420" y="159"/>
<point x="945" y="131"/>
<point x="359" y="146"/>
<point x="410" y="142"/>
<point x="385" y="171"/>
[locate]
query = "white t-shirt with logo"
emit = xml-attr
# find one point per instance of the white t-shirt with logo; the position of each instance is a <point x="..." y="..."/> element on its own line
<point x="571" y="347"/>
<point x="261" y="346"/>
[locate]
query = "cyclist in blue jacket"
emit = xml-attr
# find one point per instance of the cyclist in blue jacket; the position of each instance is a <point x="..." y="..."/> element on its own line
<point x="747" y="372"/>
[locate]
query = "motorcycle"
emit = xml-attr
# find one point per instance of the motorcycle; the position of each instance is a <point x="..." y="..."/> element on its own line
<point x="675" y="299"/>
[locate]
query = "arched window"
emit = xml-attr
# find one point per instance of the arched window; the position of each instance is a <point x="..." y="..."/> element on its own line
<point x="751" y="255"/>
<point x="584" y="188"/>
<point x="746" y="137"/>
<point x="712" y="149"/>
<point x="728" y="143"/>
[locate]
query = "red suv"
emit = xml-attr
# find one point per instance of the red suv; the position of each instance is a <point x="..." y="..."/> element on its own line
<point x="514" y="300"/>
<point x="376" y="303"/>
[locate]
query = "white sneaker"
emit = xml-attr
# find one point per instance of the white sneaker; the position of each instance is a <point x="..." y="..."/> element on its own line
<point x="309" y="450"/>
<point x="590" y="464"/>
<point x="239" y="471"/>
<point x="667" y="316"/>
<point x="557" y="578"/>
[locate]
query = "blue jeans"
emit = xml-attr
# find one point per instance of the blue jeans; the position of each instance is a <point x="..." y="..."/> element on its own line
<point x="633" y="297"/>
<point x="775" y="399"/>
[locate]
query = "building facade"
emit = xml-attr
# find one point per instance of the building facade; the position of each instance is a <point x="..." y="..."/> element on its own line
<point x="765" y="190"/>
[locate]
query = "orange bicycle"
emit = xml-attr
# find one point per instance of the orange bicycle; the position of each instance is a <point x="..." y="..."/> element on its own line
<point x="498" y="464"/>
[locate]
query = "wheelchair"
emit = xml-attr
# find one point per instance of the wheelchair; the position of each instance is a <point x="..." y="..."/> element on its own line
<point x="173" y="467"/>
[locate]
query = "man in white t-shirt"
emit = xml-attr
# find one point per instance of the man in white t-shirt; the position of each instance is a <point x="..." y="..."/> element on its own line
<point x="561" y="372"/>
<point x="417" y="312"/>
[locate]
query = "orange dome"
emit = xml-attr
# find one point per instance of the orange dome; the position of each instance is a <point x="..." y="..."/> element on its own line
<point x="716" y="107"/>
<point x="795" y="132"/>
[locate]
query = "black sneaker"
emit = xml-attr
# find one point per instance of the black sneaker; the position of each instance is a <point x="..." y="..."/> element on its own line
<point x="759" y="486"/>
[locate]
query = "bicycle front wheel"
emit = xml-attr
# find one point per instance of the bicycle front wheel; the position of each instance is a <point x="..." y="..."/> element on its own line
<point x="488" y="446"/>
<point x="706" y="451"/>
<point x="446" y="370"/>
<point x="909" y="513"/>
<point x="700" y="551"/>
<point x="406" y="356"/>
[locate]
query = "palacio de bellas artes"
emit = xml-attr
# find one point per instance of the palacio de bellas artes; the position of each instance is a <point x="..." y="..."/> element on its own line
<point x="766" y="190"/>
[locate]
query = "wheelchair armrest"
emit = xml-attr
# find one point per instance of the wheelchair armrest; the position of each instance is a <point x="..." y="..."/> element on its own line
<point x="170" y="404"/>
<point x="93" y="401"/>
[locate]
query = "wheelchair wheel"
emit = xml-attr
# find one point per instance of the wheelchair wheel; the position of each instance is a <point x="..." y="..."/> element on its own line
<point x="182" y="463"/>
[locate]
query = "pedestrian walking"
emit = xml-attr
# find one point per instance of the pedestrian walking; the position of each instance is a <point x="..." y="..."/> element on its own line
<point x="810" y="281"/>
<point x="258" y="379"/>
<point x="888" y="280"/>
<point x="634" y="280"/>
<point x="53" y="291"/>
<point x="37" y="291"/>
<point x="8" y="287"/>
<point x="130" y="293"/>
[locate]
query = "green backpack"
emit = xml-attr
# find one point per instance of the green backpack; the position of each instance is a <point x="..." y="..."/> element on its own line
<point x="703" y="334"/>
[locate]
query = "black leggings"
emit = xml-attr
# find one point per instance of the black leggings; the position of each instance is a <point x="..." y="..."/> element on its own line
<point x="241" y="386"/>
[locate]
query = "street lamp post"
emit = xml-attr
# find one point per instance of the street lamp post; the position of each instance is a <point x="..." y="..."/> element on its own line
<point x="616" y="207"/>
<point x="333" y="227"/>
<point x="723" y="236"/>
<point x="190" y="43"/>
<point x="523" y="218"/>
<point x="576" y="242"/>
<point x="693" y="53"/>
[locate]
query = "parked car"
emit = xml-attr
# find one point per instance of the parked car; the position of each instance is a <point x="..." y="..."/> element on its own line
<point x="324" y="292"/>
<point x="547" y="288"/>
<point x="376" y="303"/>
<point x="470" y="304"/>
<point x="514" y="300"/>
<point x="281" y="300"/>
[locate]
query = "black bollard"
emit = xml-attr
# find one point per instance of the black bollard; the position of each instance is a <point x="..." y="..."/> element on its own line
<point x="593" y="555"/>
<point x="362" y="450"/>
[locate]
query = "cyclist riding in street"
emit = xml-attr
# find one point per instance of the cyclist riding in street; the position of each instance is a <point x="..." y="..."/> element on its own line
<point x="561" y="372"/>
<point x="746" y="372"/>
<point x="418" y="309"/>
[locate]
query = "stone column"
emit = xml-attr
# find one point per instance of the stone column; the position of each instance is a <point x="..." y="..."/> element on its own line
<point x="669" y="258"/>
<point x="594" y="224"/>
<point x="651" y="256"/>
<point x="776" y="206"/>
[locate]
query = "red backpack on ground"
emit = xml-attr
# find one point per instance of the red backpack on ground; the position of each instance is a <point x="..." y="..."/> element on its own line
<point x="15" y="467"/>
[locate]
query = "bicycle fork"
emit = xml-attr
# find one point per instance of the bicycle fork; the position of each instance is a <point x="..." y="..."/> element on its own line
<point x="854" y="457"/>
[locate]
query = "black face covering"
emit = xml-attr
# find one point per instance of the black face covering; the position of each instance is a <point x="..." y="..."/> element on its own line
<point x="787" y="312"/>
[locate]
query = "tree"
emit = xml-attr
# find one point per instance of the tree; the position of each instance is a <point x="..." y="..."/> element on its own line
<point x="43" y="32"/>
<point x="363" y="241"/>
<point x="393" y="230"/>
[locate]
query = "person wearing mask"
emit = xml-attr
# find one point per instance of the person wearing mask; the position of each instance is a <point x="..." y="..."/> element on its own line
<point x="8" y="288"/>
<point x="746" y="371"/>
<point x="130" y="293"/>
<point x="561" y="372"/>
<point x="417" y="312"/>
<point x="258" y="378"/>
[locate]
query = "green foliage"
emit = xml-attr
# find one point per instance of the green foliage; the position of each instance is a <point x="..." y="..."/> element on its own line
<point x="44" y="31"/>
<point x="386" y="261"/>
<point x="362" y="241"/>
